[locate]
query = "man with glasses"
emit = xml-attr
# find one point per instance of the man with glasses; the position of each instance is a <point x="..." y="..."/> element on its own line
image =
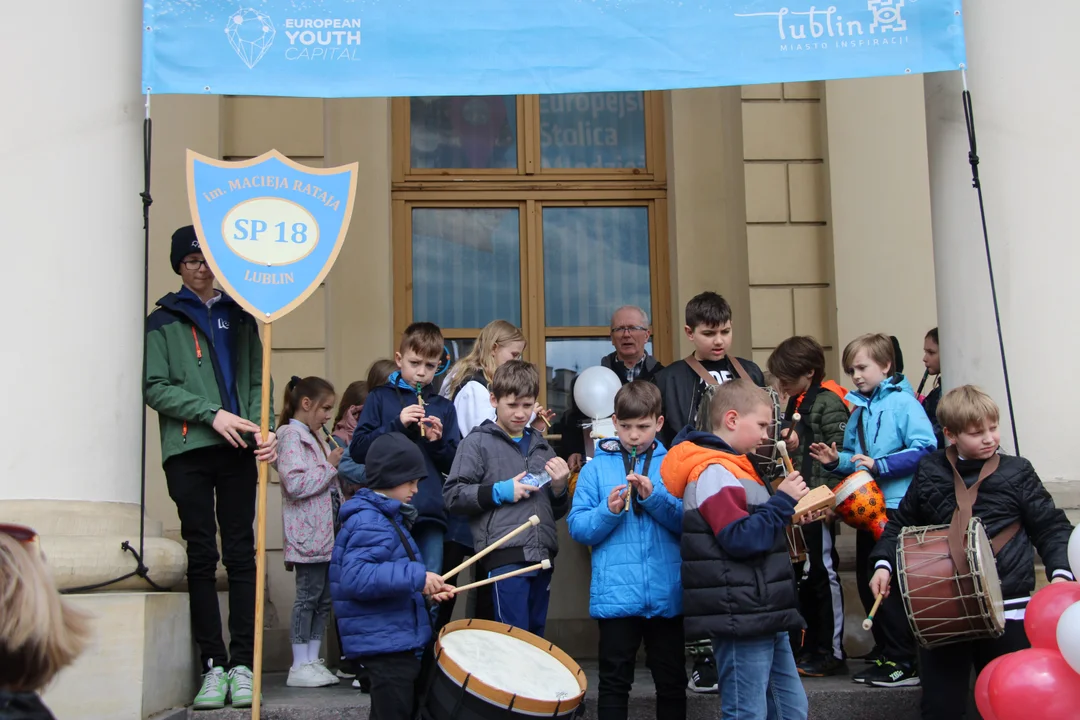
<point x="204" y="379"/>
<point x="629" y="334"/>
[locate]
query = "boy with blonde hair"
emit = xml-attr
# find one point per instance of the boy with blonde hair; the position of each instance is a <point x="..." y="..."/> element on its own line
<point x="738" y="583"/>
<point x="1019" y="517"/>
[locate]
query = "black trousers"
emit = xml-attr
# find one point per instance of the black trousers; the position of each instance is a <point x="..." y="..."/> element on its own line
<point x="821" y="597"/>
<point x="945" y="672"/>
<point x="892" y="632"/>
<point x="218" y="482"/>
<point x="454" y="554"/>
<point x="620" y="639"/>
<point x="393" y="685"/>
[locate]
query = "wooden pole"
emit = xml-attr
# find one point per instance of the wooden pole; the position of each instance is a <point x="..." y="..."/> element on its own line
<point x="260" y="530"/>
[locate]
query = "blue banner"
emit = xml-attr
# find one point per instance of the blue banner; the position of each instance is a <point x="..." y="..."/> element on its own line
<point x="269" y="228"/>
<point x="376" y="48"/>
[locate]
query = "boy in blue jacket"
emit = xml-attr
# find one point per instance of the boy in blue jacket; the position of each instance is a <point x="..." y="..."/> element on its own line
<point x="430" y="425"/>
<point x="378" y="581"/>
<point x="887" y="435"/>
<point x="632" y="523"/>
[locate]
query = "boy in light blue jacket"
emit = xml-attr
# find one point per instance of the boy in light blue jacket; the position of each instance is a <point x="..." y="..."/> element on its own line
<point x="887" y="435"/>
<point x="632" y="523"/>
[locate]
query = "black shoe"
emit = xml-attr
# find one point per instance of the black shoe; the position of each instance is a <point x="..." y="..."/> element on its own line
<point x="887" y="674"/>
<point x="703" y="678"/>
<point x="822" y="666"/>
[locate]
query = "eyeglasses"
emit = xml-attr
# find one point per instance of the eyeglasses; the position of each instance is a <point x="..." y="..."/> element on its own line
<point x="195" y="264"/>
<point x="20" y="533"/>
<point x="625" y="329"/>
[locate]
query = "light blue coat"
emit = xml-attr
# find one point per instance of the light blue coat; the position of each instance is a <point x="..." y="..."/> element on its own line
<point x="898" y="434"/>
<point x="635" y="559"/>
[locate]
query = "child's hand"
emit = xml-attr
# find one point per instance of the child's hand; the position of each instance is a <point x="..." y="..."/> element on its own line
<point x="542" y="415"/>
<point x="521" y="490"/>
<point x="863" y="461"/>
<point x="824" y="454"/>
<point x="265" y="451"/>
<point x="434" y="427"/>
<point x="411" y="414"/>
<point x="433" y="584"/>
<point x="879" y="584"/>
<point x="641" y="483"/>
<point x="445" y="595"/>
<point x="231" y="426"/>
<point x="559" y="471"/>
<point x="576" y="462"/>
<point x="793" y="486"/>
<point x="791" y="439"/>
<point x="335" y="456"/>
<point x="616" y="499"/>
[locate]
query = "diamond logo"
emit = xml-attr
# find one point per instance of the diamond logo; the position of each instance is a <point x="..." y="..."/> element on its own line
<point x="251" y="33"/>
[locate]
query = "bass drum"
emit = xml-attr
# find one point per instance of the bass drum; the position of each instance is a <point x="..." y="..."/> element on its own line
<point x="491" y="671"/>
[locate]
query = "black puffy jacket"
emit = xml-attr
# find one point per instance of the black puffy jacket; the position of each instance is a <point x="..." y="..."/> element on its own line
<point x="1013" y="493"/>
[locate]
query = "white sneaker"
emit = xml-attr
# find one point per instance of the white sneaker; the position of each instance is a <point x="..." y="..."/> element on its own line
<point x="320" y="665"/>
<point x="308" y="676"/>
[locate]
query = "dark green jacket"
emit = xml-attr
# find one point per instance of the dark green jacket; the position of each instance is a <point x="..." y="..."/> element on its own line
<point x="184" y="382"/>
<point x="824" y="421"/>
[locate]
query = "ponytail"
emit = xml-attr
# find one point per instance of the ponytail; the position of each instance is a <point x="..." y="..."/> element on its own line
<point x="312" y="388"/>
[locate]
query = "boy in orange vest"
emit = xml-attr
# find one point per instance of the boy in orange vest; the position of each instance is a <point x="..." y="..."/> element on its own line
<point x="738" y="585"/>
<point x="798" y="364"/>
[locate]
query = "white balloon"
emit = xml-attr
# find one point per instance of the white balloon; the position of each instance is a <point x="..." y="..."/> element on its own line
<point x="1074" y="550"/>
<point x="594" y="391"/>
<point x="1068" y="635"/>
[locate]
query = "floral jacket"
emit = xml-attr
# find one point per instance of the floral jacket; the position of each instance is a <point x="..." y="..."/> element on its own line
<point x="307" y="482"/>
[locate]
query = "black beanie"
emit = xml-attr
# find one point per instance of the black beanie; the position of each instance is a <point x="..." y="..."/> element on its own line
<point x="184" y="242"/>
<point x="393" y="460"/>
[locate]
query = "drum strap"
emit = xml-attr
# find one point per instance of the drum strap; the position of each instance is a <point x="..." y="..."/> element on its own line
<point x="965" y="502"/>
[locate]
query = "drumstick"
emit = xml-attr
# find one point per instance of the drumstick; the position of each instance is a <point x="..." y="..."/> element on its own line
<point x="534" y="520"/>
<point x="795" y="418"/>
<point x="869" y="621"/>
<point x="420" y="400"/>
<point x="782" y="447"/>
<point x="542" y="565"/>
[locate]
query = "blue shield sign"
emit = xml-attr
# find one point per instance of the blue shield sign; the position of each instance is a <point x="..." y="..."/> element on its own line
<point x="270" y="228"/>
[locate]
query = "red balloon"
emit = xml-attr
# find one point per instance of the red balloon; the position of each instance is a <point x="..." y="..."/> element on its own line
<point x="982" y="689"/>
<point x="1044" y="610"/>
<point x="1034" y="683"/>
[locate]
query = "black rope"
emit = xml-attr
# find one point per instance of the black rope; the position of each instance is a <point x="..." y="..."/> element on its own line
<point x="141" y="570"/>
<point x="973" y="158"/>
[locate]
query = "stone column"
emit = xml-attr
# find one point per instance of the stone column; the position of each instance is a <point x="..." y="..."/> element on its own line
<point x="1025" y="114"/>
<point x="72" y="156"/>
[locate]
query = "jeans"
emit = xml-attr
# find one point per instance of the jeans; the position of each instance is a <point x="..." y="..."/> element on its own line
<point x="429" y="538"/>
<point x="758" y="679"/>
<point x="945" y="672"/>
<point x="620" y="639"/>
<point x="522" y="601"/>
<point x="218" y="482"/>
<point x="892" y="632"/>
<point x="393" y="684"/>
<point x="312" y="605"/>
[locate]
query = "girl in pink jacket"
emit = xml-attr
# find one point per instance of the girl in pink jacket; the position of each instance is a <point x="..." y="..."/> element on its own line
<point x="310" y="499"/>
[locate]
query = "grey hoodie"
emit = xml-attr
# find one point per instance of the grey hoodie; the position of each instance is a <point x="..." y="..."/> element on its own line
<point x="487" y="456"/>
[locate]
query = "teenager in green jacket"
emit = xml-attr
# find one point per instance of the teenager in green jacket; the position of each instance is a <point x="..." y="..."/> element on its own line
<point x="204" y="379"/>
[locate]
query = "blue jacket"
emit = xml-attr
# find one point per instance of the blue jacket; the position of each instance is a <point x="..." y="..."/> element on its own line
<point x="381" y="415"/>
<point x="216" y="323"/>
<point x="897" y="432"/>
<point x="635" y="558"/>
<point x="375" y="585"/>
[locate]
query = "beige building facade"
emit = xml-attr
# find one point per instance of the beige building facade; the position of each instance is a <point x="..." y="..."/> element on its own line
<point x="828" y="209"/>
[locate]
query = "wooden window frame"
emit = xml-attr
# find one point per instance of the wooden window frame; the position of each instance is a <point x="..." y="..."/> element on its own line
<point x="530" y="189"/>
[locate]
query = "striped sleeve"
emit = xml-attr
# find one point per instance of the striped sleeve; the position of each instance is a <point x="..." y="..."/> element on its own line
<point x="740" y="530"/>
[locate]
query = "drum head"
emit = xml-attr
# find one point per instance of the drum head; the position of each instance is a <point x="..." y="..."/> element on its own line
<point x="984" y="569"/>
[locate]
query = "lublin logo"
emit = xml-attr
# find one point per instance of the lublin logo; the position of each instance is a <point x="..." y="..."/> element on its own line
<point x="251" y="33"/>
<point x="818" y="23"/>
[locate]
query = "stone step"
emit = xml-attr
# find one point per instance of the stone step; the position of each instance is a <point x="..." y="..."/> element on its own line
<point x="830" y="698"/>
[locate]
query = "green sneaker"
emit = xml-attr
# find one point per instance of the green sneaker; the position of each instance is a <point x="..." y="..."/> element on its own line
<point x="240" y="686"/>
<point x="215" y="688"/>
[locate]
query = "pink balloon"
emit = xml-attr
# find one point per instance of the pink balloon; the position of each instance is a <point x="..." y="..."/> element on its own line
<point x="982" y="689"/>
<point x="1034" y="683"/>
<point x="1044" y="610"/>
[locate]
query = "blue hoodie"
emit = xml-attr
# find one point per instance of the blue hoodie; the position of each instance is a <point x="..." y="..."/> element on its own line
<point x="635" y="559"/>
<point x="375" y="585"/>
<point x="216" y="323"/>
<point x="897" y="432"/>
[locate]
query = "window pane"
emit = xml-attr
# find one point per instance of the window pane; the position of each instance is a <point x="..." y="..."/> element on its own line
<point x="463" y="132"/>
<point x="566" y="357"/>
<point x="592" y="130"/>
<point x="465" y="264"/>
<point x="596" y="259"/>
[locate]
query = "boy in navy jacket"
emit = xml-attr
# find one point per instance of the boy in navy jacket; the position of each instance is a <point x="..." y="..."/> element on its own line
<point x="378" y="581"/>
<point x="431" y="426"/>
